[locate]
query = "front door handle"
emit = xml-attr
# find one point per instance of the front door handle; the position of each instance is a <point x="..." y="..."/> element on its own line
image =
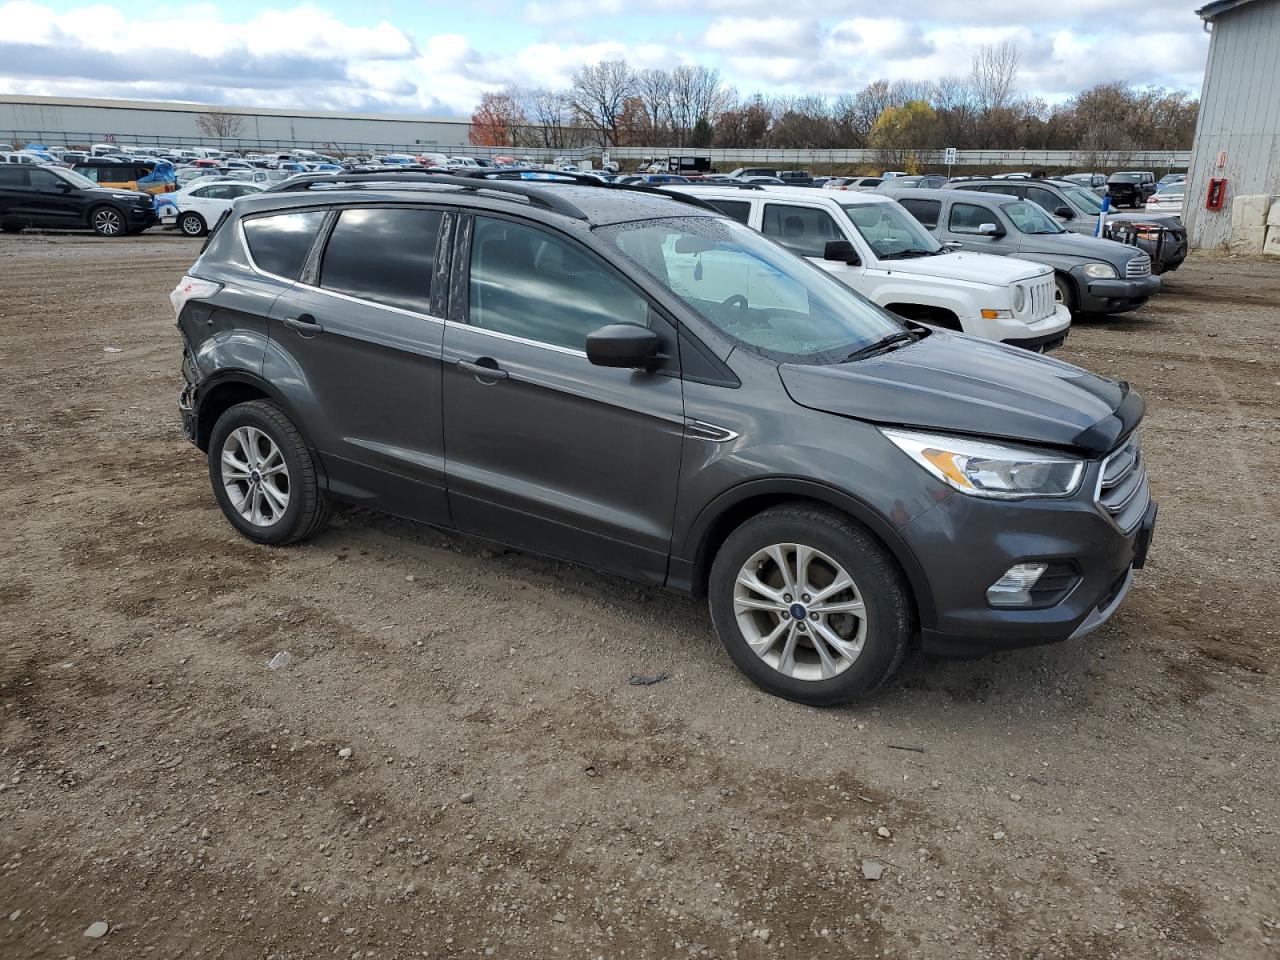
<point x="485" y="369"/>
<point x="305" y="325"/>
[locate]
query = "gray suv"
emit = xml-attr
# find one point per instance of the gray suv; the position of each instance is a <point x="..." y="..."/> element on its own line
<point x="536" y="363"/>
<point x="1091" y="275"/>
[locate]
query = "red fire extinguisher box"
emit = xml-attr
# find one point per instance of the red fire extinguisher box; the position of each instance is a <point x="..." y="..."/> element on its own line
<point x="1217" y="194"/>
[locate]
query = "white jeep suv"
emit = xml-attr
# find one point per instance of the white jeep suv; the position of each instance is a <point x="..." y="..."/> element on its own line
<point x="873" y="245"/>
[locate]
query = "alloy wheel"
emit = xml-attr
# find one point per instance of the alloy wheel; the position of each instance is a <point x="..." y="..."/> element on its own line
<point x="800" y="611"/>
<point x="107" y="222"/>
<point x="191" y="226"/>
<point x="255" y="476"/>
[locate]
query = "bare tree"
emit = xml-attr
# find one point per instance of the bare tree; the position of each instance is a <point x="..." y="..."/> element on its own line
<point x="994" y="74"/>
<point x="697" y="95"/>
<point x="220" y="124"/>
<point x="599" y="95"/>
<point x="653" y="94"/>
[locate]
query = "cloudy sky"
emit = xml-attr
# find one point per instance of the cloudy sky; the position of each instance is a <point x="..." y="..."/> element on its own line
<point x="416" y="57"/>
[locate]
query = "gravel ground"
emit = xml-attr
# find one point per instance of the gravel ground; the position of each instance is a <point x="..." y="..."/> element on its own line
<point x="454" y="764"/>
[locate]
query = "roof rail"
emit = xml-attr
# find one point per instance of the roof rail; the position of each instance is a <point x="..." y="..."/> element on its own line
<point x="735" y="186"/>
<point x="545" y="199"/>
<point x="526" y="182"/>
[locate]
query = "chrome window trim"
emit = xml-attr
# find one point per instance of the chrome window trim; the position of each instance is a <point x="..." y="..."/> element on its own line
<point x="514" y="339"/>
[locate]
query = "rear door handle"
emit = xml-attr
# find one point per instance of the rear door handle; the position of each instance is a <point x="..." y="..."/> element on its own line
<point x="305" y="325"/>
<point x="485" y="369"/>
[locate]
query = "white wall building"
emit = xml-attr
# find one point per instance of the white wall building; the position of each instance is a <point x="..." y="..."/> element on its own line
<point x="1238" y="130"/>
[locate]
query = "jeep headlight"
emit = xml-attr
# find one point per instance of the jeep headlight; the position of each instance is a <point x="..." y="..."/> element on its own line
<point x="1019" y="299"/>
<point x="1100" y="271"/>
<point x="983" y="469"/>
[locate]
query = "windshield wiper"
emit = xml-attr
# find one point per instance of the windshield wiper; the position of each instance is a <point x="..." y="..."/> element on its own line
<point x="902" y="336"/>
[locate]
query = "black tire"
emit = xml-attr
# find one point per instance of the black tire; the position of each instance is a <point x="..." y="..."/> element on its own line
<point x="192" y="225"/>
<point x="11" y="227"/>
<point x="1066" y="291"/>
<point x="890" y="615"/>
<point x="307" y="511"/>
<point x="107" y="221"/>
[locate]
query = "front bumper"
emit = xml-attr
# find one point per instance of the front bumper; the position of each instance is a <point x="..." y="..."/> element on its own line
<point x="1115" y="296"/>
<point x="1041" y="335"/>
<point x="981" y="539"/>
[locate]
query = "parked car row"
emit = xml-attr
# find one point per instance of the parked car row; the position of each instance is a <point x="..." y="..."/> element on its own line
<point x="838" y="479"/>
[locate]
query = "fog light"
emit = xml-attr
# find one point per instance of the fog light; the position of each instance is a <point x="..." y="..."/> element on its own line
<point x="1014" y="588"/>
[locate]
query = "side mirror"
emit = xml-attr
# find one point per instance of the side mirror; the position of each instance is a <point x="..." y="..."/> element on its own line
<point x="841" y="251"/>
<point x="1064" y="213"/>
<point x="627" y="345"/>
<point x="64" y="186"/>
<point x="993" y="230"/>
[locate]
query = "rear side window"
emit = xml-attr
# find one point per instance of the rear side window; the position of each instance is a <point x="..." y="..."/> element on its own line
<point x="279" y="243"/>
<point x="926" y="211"/>
<point x="383" y="255"/>
<point x="802" y="230"/>
<point x="13" y="175"/>
<point x="739" y="210"/>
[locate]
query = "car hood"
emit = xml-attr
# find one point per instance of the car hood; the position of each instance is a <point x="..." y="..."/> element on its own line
<point x="975" y="267"/>
<point x="960" y="384"/>
<point x="1076" y="245"/>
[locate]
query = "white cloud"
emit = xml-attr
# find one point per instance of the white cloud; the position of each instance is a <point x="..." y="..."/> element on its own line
<point x="308" y="57"/>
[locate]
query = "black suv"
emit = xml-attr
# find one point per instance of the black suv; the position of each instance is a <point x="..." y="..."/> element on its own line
<point x="33" y="196"/>
<point x="630" y="380"/>
<point x="1131" y="188"/>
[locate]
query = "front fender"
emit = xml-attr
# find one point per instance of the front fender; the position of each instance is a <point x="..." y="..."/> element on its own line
<point x="691" y="559"/>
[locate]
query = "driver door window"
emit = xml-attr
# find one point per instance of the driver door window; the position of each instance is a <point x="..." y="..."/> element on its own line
<point x="1045" y="198"/>
<point x="967" y="218"/>
<point x="531" y="284"/>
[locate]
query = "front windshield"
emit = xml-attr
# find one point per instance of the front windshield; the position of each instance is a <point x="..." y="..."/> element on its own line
<point x="891" y="231"/>
<point x="1085" y="200"/>
<point x="1126" y="178"/>
<point x="1030" y="217"/>
<point x="76" y="179"/>
<point x="760" y="295"/>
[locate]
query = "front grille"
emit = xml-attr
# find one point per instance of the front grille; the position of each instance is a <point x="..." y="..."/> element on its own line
<point x="1139" y="266"/>
<point x="1042" y="300"/>
<point x="1122" y="486"/>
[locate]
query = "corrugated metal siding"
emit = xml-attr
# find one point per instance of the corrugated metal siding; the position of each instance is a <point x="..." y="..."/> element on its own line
<point x="1239" y="113"/>
<point x="130" y="121"/>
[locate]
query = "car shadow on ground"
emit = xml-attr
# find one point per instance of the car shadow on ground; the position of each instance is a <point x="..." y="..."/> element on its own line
<point x="1017" y="679"/>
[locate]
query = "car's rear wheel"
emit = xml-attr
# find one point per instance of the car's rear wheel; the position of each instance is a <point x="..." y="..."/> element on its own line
<point x="1064" y="292"/>
<point x="810" y="606"/>
<point x="264" y="475"/>
<point x="108" y="222"/>
<point x="11" y="227"/>
<point x="192" y="224"/>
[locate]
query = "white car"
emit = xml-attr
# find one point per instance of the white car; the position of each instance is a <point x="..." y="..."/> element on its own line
<point x="197" y="206"/>
<point x="872" y="244"/>
<point x="1168" y="199"/>
<point x="852" y="183"/>
<point x="466" y="162"/>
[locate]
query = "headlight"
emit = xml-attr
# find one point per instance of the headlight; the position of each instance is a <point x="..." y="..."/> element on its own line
<point x="991" y="470"/>
<point x="1019" y="299"/>
<point x="1100" y="271"/>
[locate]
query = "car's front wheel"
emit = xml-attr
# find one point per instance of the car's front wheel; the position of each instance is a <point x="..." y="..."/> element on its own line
<point x="192" y="224"/>
<point x="1064" y="292"/>
<point x="108" y="222"/>
<point x="264" y="475"/>
<point x="810" y="606"/>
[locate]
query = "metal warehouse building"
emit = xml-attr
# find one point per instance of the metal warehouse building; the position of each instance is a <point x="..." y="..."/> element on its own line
<point x="61" y="120"/>
<point x="1238" y="131"/>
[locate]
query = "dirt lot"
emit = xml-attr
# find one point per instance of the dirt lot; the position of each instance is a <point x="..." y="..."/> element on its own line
<point x="509" y="793"/>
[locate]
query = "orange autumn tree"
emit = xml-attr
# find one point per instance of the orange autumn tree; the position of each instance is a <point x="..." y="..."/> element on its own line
<point x="496" y="119"/>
